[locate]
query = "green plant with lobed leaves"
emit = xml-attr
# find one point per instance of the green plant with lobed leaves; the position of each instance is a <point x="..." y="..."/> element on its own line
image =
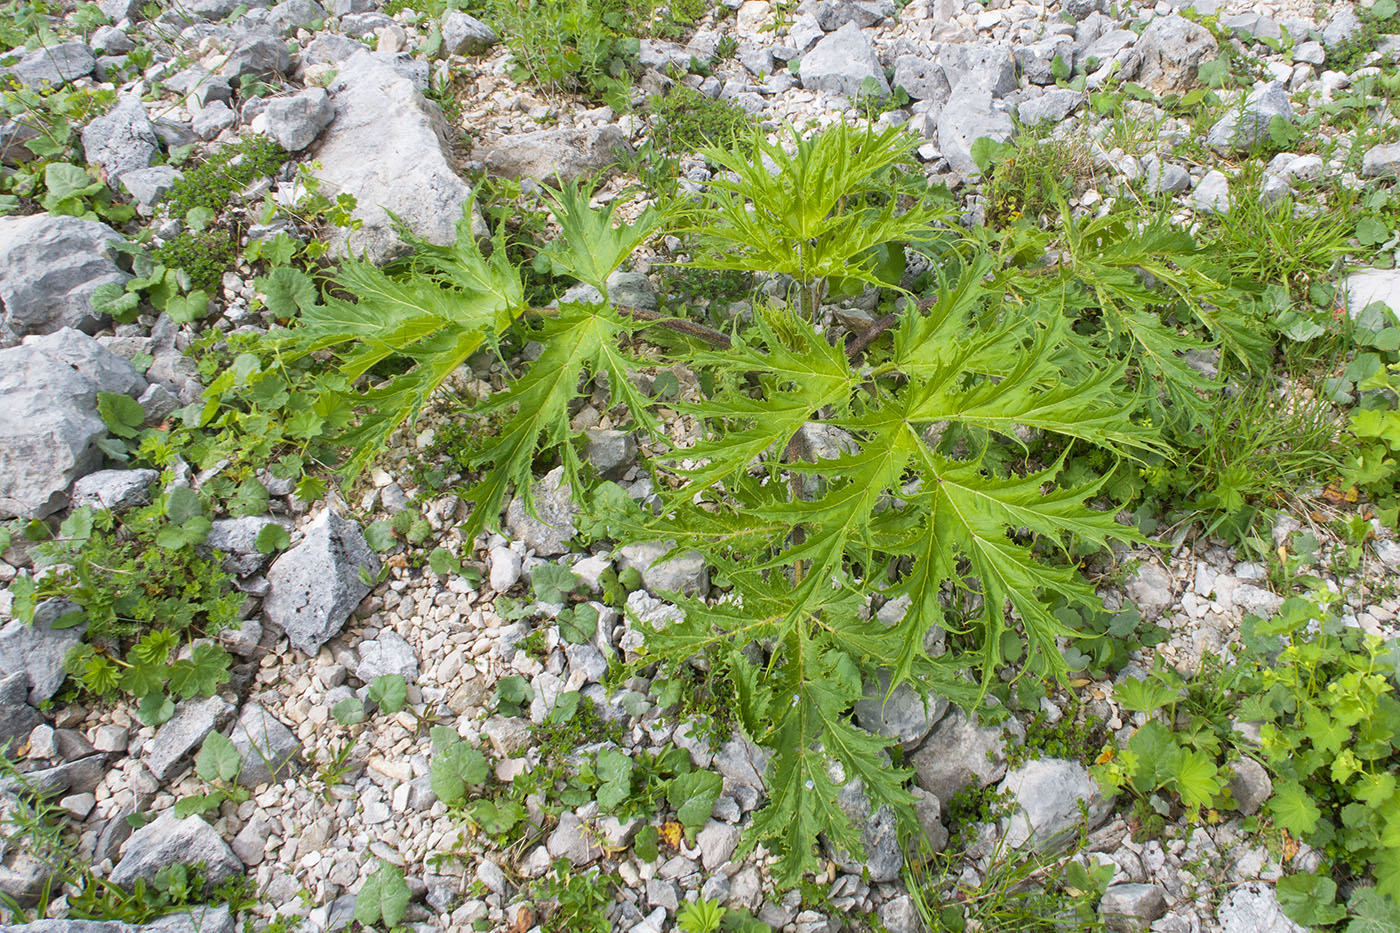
<point x="911" y="508"/>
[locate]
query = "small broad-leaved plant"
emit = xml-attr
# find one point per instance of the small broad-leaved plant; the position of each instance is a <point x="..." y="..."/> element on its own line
<point x="910" y="509"/>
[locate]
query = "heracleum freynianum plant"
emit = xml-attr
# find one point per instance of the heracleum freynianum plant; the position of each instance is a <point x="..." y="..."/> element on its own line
<point x="897" y="514"/>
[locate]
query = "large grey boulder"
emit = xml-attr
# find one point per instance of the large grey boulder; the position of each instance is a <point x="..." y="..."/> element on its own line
<point x="960" y="752"/>
<point x="921" y="78"/>
<point x="1243" y="126"/>
<point x="1126" y="908"/>
<point x="290" y="15"/>
<point x="54" y="66"/>
<point x="49" y="267"/>
<point x="121" y="140"/>
<point x="169" y="840"/>
<point x="1050" y="107"/>
<point x="1050" y="799"/>
<point x="466" y="35"/>
<point x="558" y="155"/>
<point x="686" y="573"/>
<point x="1253" y="908"/>
<point x="114" y="489"/>
<point x="1172" y="49"/>
<point x="1381" y="161"/>
<point x="175" y="741"/>
<point x="546" y="522"/>
<point x="268" y="748"/>
<point x="235" y="541"/>
<point x="109" y="372"/>
<point x="316" y="585"/>
<point x="295" y="122"/>
<point x="17" y="717"/>
<point x="974" y="68"/>
<point x="967" y="117"/>
<point x="901" y="714"/>
<point x="1370" y="286"/>
<point x="37" y="650"/>
<point x="879" y="836"/>
<point x="49" y="429"/>
<point x="844" y="62"/>
<point x="387" y="146"/>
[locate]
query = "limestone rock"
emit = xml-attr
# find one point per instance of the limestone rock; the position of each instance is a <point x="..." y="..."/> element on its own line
<point x="295" y="122"/>
<point x="558" y="155"/>
<point x="37" y="650"/>
<point x="268" y="748"/>
<point x="1046" y="798"/>
<point x="844" y="62"/>
<point x="49" y="267"/>
<point x="122" y="140"/>
<point x="168" y="840"/>
<point x="387" y="147"/>
<point x="552" y="523"/>
<point x="316" y="584"/>
<point x="1172" y="48"/>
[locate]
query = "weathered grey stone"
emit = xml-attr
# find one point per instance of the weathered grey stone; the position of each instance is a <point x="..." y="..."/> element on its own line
<point x="168" y="840"/>
<point x="1167" y="178"/>
<point x="118" y="10"/>
<point x="199" y="919"/>
<point x="1047" y="797"/>
<point x="967" y="117"/>
<point x="572" y="840"/>
<point x="1050" y="107"/>
<point x="54" y="66"/>
<point x="295" y="122"/>
<point x="551" y="525"/>
<point x="903" y="715"/>
<point x="1243" y="126"/>
<point x="37" y="650"/>
<point x="959" y="752"/>
<point x="1250" y="785"/>
<point x="251" y="841"/>
<point x="1131" y="907"/>
<point x="686" y="573"/>
<point x="1370" y="286"/>
<point x="255" y="55"/>
<point x="90" y="359"/>
<point x="1342" y="27"/>
<point x="24" y="878"/>
<point x="146" y="185"/>
<point x="268" y="748"/>
<point x="180" y="737"/>
<point x="109" y="40"/>
<point x="898" y="915"/>
<point x="122" y="140"/>
<point x="627" y="289"/>
<point x="929" y="812"/>
<point x="741" y="764"/>
<point x="1172" y="49"/>
<point x="844" y="62"/>
<point x="717" y="842"/>
<point x="81" y="776"/>
<point x="17" y="717"/>
<point x="466" y="35"/>
<point x="215" y="117"/>
<point x="1381" y="161"/>
<point x="612" y="453"/>
<point x="49" y="267"/>
<point x="1253" y="908"/>
<point x="831" y="15"/>
<point x="1212" y="194"/>
<point x="879" y="836"/>
<point x="559" y="155"/>
<point x="236" y="541"/>
<point x="387" y="147"/>
<point x="49" y="429"/>
<point x="316" y="584"/>
<point x="978" y="68"/>
<point x="387" y="654"/>
<point x="329" y="49"/>
<point x="921" y="78"/>
<point x="290" y="15"/>
<point x="1150" y="589"/>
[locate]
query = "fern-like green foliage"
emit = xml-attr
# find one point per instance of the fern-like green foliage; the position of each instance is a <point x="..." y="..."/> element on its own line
<point x="1153" y="288"/>
<point x="804" y="548"/>
<point x="816" y="209"/>
<point x="897" y="518"/>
